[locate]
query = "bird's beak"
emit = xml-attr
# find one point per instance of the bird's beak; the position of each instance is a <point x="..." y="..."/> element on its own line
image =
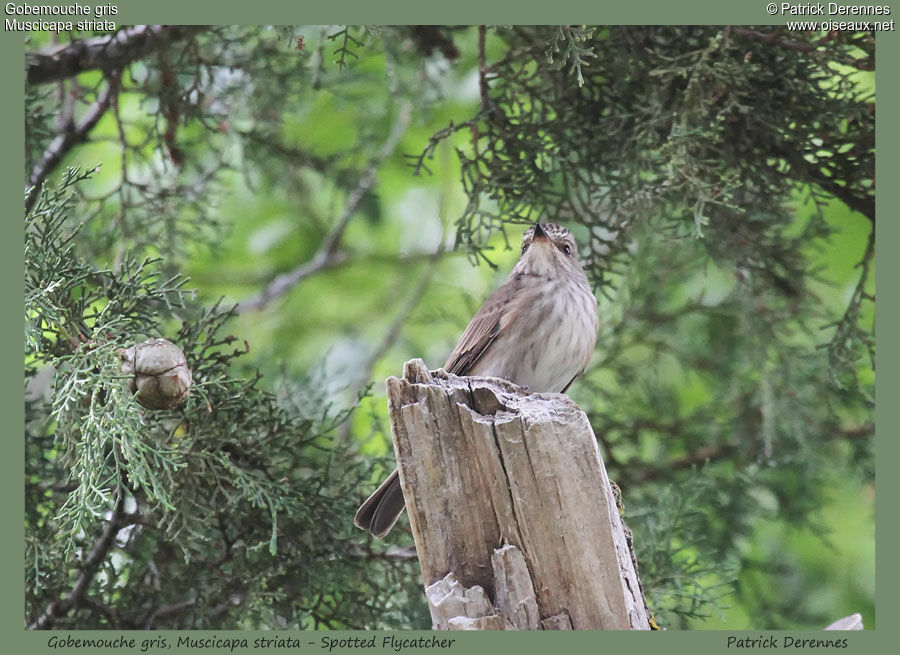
<point x="539" y="233"/>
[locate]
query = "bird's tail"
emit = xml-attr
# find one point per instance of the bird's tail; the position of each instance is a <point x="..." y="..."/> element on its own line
<point x="382" y="509"/>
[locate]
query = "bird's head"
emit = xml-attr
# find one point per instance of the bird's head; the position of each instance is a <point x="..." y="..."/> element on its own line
<point x="548" y="250"/>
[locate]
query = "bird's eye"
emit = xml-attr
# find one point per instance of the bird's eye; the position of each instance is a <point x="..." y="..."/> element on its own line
<point x="566" y="250"/>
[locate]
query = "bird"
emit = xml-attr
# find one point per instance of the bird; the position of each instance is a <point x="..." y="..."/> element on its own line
<point x="538" y="330"/>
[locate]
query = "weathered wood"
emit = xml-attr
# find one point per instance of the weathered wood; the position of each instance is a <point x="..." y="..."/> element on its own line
<point x="507" y="491"/>
<point x="514" y="592"/>
<point x="852" y="622"/>
<point x="559" y="621"/>
<point x="454" y="607"/>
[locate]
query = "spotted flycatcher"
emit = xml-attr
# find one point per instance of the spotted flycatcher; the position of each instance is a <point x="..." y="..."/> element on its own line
<point x="538" y="330"/>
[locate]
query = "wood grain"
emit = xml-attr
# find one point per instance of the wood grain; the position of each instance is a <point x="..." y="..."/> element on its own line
<point x="506" y="491"/>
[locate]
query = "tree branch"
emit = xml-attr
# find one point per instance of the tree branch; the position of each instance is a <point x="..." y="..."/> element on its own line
<point x="391" y="554"/>
<point x="483" y="89"/>
<point x="71" y="135"/>
<point x="865" y="205"/>
<point x="327" y="255"/>
<point x="638" y="475"/>
<point x="395" y="329"/>
<point x="168" y="610"/>
<point x="89" y="568"/>
<point x="105" y="52"/>
<point x="393" y="332"/>
<point x="776" y="39"/>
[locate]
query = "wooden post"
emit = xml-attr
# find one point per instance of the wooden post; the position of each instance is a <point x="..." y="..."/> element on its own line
<point x="515" y="522"/>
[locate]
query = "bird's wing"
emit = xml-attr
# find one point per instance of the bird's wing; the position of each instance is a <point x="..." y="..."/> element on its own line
<point x="489" y="322"/>
<point x="575" y="377"/>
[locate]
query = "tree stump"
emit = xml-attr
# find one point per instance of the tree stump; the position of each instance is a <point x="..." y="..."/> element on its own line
<point x="515" y="521"/>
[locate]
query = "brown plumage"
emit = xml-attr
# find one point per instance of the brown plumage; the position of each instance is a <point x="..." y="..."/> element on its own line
<point x="537" y="330"/>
